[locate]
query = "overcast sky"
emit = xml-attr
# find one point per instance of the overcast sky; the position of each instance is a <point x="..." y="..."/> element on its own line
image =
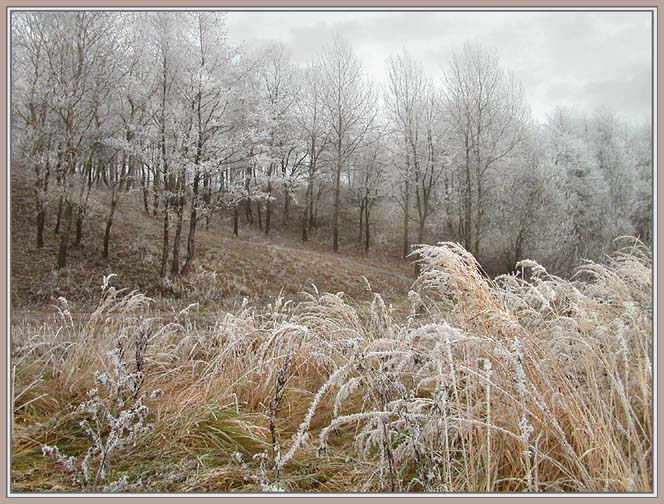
<point x="576" y="59"/>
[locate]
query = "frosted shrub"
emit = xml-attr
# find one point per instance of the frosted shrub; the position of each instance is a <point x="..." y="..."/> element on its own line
<point x="115" y="416"/>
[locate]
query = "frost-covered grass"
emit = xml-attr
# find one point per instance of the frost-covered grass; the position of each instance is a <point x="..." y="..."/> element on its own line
<point x="522" y="383"/>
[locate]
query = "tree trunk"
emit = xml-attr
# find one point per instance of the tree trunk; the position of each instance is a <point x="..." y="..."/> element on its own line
<point x="314" y="224"/>
<point x="337" y="201"/>
<point x="367" y="231"/>
<point x="64" y="238"/>
<point x="121" y="178"/>
<point x="130" y="176"/>
<point x="235" y="219"/>
<point x="305" y="218"/>
<point x="83" y="204"/>
<point x="305" y="211"/>
<point x="41" y="218"/>
<point x="259" y="215"/>
<point x="312" y="213"/>
<point x="247" y="210"/>
<point x="207" y="198"/>
<point x="420" y="231"/>
<point x="192" y="227"/>
<point x="478" y="183"/>
<point x="478" y="223"/>
<point x="59" y="218"/>
<point x="518" y="248"/>
<point x="286" y="206"/>
<point x="179" y="211"/>
<point x="109" y="223"/>
<point x="406" y="218"/>
<point x="362" y="206"/>
<point x="249" y="173"/>
<point x="155" y="192"/>
<point x="144" y="185"/>
<point x="104" y="176"/>
<point x="79" y="226"/>
<point x="164" y="166"/>
<point x="268" y="204"/>
<point x="268" y="214"/>
<point x="164" y="253"/>
<point x="468" y="202"/>
<point x="420" y="241"/>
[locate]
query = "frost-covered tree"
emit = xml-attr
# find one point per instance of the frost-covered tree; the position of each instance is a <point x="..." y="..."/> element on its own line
<point x="586" y="191"/>
<point x="66" y="69"/>
<point x="32" y="128"/>
<point x="413" y="108"/>
<point x="314" y="127"/>
<point x="488" y="120"/>
<point x="349" y="101"/>
<point x="641" y="212"/>
<point x="282" y="153"/>
<point x="367" y="181"/>
<point x="617" y="165"/>
<point x="159" y="108"/>
<point x="210" y="95"/>
<point x="529" y="217"/>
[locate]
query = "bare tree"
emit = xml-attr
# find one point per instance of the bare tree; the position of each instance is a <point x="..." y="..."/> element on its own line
<point x="412" y="107"/>
<point x="78" y="51"/>
<point x="31" y="92"/>
<point x="162" y="31"/>
<point x="313" y="124"/>
<point x="488" y="120"/>
<point x="117" y="175"/>
<point x="280" y="90"/>
<point x="159" y="106"/>
<point x="350" y="109"/>
<point x="369" y="176"/>
<point x="210" y="99"/>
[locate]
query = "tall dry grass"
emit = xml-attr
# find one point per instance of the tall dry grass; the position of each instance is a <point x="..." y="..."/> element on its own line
<point x="526" y="382"/>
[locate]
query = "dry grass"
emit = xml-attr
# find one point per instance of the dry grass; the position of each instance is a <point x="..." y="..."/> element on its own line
<point x="522" y="383"/>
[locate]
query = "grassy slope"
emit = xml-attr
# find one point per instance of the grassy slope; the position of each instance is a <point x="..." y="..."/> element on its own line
<point x="249" y="266"/>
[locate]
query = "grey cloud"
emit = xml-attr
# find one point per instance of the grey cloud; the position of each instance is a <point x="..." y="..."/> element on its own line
<point x="585" y="60"/>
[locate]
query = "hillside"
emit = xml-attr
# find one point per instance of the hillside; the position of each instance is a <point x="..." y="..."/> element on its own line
<point x="228" y="269"/>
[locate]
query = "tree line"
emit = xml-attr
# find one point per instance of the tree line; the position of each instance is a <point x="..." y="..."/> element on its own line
<point x="161" y="105"/>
